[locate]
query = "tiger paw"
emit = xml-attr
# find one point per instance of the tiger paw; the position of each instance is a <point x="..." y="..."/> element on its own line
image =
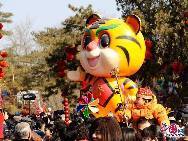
<point x="77" y="75"/>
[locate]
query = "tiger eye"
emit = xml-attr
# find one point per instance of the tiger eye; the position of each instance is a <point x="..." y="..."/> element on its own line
<point x="104" y="40"/>
<point x="86" y="41"/>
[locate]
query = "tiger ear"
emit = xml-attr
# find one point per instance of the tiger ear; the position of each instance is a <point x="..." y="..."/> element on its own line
<point x="134" y="22"/>
<point x="91" y="19"/>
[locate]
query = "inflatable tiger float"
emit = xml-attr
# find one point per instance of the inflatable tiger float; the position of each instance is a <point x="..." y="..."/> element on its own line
<point x="112" y="49"/>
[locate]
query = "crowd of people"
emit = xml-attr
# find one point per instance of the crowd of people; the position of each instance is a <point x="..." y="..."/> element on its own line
<point x="147" y="121"/>
<point x="52" y="127"/>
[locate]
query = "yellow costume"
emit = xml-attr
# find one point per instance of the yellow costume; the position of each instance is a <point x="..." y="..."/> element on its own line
<point x="111" y="50"/>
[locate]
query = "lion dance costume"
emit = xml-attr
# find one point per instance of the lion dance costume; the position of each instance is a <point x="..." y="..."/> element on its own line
<point x="112" y="49"/>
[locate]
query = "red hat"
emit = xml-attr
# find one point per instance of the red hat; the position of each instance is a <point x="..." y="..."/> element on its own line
<point x="145" y="92"/>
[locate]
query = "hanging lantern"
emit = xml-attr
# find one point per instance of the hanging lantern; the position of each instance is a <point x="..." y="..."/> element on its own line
<point x="148" y="54"/>
<point x="4" y="54"/>
<point x="70" y="56"/>
<point x="1" y="26"/>
<point x="177" y="67"/>
<point x="66" y="112"/>
<point x="66" y="109"/>
<point x="148" y="43"/>
<point x="66" y="103"/>
<point x="3" y="64"/>
<point x="67" y="119"/>
<point x="2" y="74"/>
<point x="1" y="35"/>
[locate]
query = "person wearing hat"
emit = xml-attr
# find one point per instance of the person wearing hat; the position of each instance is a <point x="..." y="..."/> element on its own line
<point x="146" y="106"/>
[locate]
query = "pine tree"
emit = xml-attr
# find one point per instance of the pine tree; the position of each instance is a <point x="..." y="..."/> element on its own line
<point x="5" y="17"/>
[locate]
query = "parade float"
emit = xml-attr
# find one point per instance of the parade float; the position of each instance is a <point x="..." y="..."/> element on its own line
<point x="112" y="50"/>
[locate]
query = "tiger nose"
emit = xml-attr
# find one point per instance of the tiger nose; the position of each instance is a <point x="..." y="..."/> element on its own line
<point x="91" y="46"/>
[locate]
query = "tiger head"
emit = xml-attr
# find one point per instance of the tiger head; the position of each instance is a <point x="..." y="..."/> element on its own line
<point x="112" y="43"/>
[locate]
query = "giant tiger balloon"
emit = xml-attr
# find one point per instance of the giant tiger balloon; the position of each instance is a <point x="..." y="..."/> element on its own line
<point x="112" y="49"/>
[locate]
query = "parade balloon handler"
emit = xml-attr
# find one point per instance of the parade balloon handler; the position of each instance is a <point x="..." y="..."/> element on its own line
<point x="146" y="106"/>
<point x="112" y="50"/>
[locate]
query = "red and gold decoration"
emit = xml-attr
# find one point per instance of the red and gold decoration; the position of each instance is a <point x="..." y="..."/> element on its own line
<point x="3" y="54"/>
<point x="66" y="110"/>
<point x="3" y="63"/>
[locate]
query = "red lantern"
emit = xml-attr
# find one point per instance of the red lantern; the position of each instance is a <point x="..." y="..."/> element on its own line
<point x="66" y="119"/>
<point x="148" y="43"/>
<point x="66" y="108"/>
<point x="177" y="67"/>
<point x="66" y="100"/>
<point x="66" y="103"/>
<point x="70" y="56"/>
<point x="67" y="123"/>
<point x="3" y="64"/>
<point x="1" y="35"/>
<point x="67" y="115"/>
<point x="2" y="74"/>
<point x="4" y="54"/>
<point x="148" y="55"/>
<point x="66" y="112"/>
<point x="1" y="26"/>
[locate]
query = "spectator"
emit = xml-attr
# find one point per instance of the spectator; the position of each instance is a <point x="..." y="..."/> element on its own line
<point x="129" y="134"/>
<point x="152" y="133"/>
<point x="143" y="123"/>
<point x="40" y="128"/>
<point x="186" y="133"/>
<point x="105" y="129"/>
<point x="22" y="131"/>
<point x="48" y="135"/>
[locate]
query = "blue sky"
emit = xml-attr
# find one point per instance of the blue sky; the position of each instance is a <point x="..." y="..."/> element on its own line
<point x="50" y="13"/>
